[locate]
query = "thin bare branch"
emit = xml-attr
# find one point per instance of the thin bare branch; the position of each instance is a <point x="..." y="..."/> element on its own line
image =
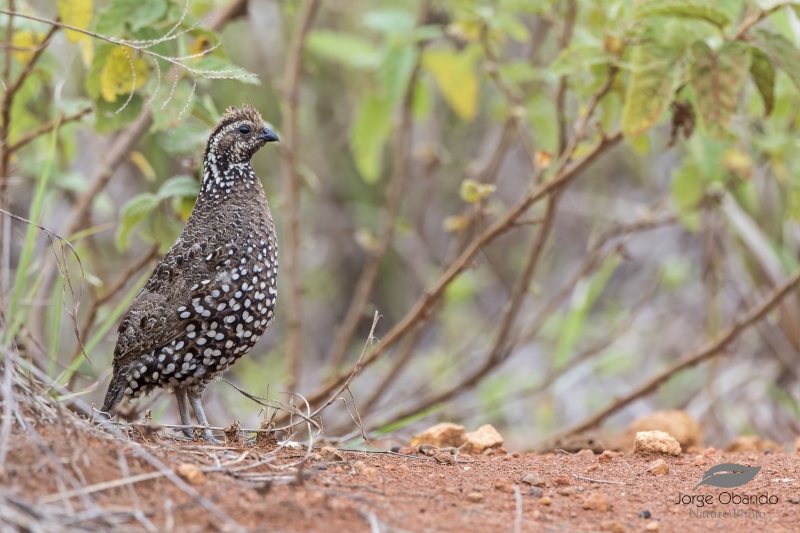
<point x="46" y="128"/>
<point x="289" y="181"/>
<point x="711" y="349"/>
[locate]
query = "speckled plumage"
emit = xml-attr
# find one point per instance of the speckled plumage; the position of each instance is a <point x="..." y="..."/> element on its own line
<point x="212" y="296"/>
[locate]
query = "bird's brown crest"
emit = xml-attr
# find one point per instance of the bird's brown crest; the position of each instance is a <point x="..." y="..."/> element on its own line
<point x="247" y="112"/>
<point x="235" y="114"/>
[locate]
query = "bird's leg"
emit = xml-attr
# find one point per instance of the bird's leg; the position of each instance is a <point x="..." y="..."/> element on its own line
<point x="183" y="407"/>
<point x="194" y="399"/>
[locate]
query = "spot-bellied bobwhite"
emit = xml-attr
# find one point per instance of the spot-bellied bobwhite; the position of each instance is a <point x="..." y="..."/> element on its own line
<point x="213" y="294"/>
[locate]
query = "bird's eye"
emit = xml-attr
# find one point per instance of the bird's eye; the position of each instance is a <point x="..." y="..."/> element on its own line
<point x="244" y="129"/>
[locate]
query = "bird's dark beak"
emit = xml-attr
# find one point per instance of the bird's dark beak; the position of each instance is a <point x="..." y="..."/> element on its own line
<point x="267" y="135"/>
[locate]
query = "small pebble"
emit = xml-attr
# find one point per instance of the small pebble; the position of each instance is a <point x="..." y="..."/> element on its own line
<point x="561" y="480"/>
<point x="596" y="502"/>
<point x="652" y="526"/>
<point x="645" y="514"/>
<point x="191" y="473"/>
<point x="475" y="497"/>
<point x="536" y="492"/>
<point x="396" y="449"/>
<point x="659" y="467"/>
<point x="533" y="479"/>
<point x="611" y="525"/>
<point x="546" y="500"/>
<point x="606" y="456"/>
<point x="504" y="485"/>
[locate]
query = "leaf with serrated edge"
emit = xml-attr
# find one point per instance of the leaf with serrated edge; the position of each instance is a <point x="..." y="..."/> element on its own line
<point x="716" y="80"/>
<point x="763" y="74"/>
<point x="656" y="70"/>
<point x="683" y="9"/>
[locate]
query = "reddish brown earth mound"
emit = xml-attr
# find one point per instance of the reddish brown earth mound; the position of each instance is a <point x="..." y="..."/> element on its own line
<point x="359" y="491"/>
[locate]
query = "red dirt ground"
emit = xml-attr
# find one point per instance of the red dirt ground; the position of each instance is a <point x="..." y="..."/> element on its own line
<point x="379" y="492"/>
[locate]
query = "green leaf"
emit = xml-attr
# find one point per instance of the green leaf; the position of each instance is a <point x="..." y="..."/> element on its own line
<point x="781" y="52"/>
<point x="135" y="14"/>
<point x="462" y="289"/>
<point x="389" y="20"/>
<point x="368" y="134"/>
<point x="698" y="10"/>
<point x="520" y="71"/>
<point x="101" y="54"/>
<point x="396" y="69"/>
<point x="108" y="120"/>
<point x="656" y="71"/>
<point x="512" y="26"/>
<point x="473" y="191"/>
<point x="455" y="75"/>
<point x="180" y="186"/>
<point x="188" y="139"/>
<point x="343" y="48"/>
<point x="579" y="58"/>
<point x="716" y="80"/>
<point x="687" y="186"/>
<point x="133" y="213"/>
<point x="763" y="74"/>
<point x="178" y="107"/>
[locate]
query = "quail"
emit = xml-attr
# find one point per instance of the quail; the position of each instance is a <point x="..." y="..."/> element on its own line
<point x="212" y="296"/>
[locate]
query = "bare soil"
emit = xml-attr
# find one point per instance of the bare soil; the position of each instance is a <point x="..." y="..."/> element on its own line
<point x="383" y="492"/>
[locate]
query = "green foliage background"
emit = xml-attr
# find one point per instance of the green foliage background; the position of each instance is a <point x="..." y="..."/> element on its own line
<point x="704" y="93"/>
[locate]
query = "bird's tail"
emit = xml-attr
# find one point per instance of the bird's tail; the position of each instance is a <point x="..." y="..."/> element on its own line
<point x="116" y="389"/>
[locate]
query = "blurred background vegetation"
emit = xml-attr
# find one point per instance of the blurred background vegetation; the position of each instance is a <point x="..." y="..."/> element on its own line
<point x="548" y="202"/>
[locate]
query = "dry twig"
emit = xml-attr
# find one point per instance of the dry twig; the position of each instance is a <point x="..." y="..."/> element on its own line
<point x="712" y="348"/>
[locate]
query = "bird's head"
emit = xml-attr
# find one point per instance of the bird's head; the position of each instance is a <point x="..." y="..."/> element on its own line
<point x="238" y="135"/>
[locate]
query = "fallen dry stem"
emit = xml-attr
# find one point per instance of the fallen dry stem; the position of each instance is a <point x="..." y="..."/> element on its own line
<point x="600" y="480"/>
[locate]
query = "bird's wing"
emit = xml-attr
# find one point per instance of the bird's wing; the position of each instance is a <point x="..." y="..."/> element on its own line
<point x="163" y="308"/>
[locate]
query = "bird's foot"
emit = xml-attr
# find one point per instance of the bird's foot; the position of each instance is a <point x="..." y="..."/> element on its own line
<point x="209" y="438"/>
<point x="183" y="434"/>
